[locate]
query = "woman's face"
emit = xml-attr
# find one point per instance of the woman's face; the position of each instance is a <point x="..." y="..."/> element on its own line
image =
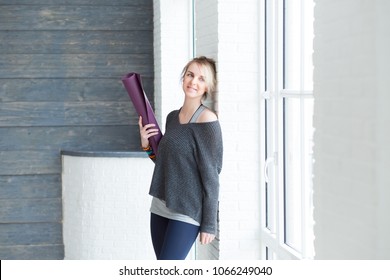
<point x="194" y="81"/>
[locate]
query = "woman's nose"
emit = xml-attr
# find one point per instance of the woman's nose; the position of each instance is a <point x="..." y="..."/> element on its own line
<point x="194" y="81"/>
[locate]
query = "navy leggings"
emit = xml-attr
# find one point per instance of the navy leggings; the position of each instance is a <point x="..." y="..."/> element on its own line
<point x="172" y="240"/>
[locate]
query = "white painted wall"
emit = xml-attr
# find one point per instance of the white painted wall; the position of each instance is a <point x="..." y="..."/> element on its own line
<point x="352" y="135"/>
<point x="238" y="106"/>
<point x="106" y="208"/>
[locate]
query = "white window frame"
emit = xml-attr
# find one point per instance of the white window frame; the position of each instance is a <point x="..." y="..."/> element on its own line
<point x="273" y="234"/>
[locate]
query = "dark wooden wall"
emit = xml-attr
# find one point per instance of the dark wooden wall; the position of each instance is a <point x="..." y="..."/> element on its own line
<point x="61" y="62"/>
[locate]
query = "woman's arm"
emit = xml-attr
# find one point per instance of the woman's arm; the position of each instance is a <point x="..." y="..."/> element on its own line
<point x="209" y="160"/>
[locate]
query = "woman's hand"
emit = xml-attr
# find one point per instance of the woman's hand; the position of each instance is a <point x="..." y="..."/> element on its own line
<point x="146" y="132"/>
<point x="206" y="238"/>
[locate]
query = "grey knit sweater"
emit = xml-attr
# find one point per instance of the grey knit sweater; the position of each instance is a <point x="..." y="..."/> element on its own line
<point x="186" y="175"/>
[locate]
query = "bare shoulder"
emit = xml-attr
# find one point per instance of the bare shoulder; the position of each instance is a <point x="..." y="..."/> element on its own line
<point x="207" y="116"/>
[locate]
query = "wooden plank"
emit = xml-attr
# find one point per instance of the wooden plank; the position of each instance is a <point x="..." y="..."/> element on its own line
<point x="29" y="162"/>
<point x="103" y="113"/>
<point x="99" y="138"/>
<point x="28" y="252"/>
<point x="60" y="71"/>
<point x="30" y="210"/>
<point x="30" y="113"/>
<point x="70" y="114"/>
<point x="75" y="42"/>
<point x="68" y="90"/>
<point x="30" y="186"/>
<point x="74" y="66"/>
<point x="55" y="17"/>
<point x="30" y="234"/>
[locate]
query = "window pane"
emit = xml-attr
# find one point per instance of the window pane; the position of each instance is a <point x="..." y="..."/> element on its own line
<point x="292" y="45"/>
<point x="269" y="160"/>
<point x="298" y="136"/>
<point x="298" y="48"/>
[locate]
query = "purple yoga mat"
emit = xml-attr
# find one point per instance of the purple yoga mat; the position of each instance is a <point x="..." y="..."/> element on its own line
<point x="133" y="85"/>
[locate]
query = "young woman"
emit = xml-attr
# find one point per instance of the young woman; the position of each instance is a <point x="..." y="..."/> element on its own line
<point x="185" y="183"/>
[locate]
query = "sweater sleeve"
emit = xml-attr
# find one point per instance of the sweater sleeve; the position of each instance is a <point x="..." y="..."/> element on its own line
<point x="209" y="160"/>
<point x="150" y="152"/>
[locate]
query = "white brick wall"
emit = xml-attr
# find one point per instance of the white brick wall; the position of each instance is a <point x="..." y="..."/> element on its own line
<point x="351" y="181"/>
<point x="239" y="103"/>
<point x="106" y="208"/>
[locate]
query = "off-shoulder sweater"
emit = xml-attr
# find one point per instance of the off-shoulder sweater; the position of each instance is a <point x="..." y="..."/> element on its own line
<point x="188" y="164"/>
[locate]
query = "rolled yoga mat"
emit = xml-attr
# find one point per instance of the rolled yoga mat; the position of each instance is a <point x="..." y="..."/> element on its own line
<point x="133" y="85"/>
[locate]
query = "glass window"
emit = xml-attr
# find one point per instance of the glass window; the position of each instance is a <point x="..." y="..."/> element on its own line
<point x="287" y="128"/>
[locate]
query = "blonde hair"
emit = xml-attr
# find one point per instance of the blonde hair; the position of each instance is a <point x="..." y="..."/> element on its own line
<point x="210" y="72"/>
